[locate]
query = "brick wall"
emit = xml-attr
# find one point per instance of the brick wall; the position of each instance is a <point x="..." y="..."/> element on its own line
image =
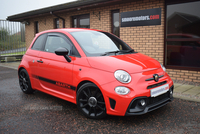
<point x="184" y="75"/>
<point x="148" y="40"/>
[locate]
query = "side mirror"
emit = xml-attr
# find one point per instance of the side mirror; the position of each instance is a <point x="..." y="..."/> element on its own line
<point x="63" y="52"/>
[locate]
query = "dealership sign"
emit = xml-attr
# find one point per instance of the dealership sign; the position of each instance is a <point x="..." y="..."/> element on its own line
<point x="141" y="18"/>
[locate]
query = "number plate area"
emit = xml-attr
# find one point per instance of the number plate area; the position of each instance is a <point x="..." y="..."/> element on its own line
<point x="159" y="90"/>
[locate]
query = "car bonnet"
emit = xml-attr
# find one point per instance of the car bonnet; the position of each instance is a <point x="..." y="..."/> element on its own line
<point x="132" y="63"/>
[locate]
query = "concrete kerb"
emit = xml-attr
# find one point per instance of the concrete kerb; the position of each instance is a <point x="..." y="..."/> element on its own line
<point x="181" y="91"/>
<point x="12" y="65"/>
<point x="186" y="97"/>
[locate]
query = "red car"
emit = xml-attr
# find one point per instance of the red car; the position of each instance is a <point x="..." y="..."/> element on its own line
<point x="95" y="70"/>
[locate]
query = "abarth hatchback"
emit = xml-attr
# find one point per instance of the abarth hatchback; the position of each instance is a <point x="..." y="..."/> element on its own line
<point x="95" y="70"/>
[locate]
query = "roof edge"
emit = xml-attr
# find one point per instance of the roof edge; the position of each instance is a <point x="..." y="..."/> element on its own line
<point x="66" y="6"/>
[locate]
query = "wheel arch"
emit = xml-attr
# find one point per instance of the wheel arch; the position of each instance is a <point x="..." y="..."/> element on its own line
<point x="88" y="80"/>
<point x="83" y="82"/>
<point x="29" y="73"/>
<point x="20" y="69"/>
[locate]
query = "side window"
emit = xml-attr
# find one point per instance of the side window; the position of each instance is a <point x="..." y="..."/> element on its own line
<point x="53" y="42"/>
<point x="39" y="43"/>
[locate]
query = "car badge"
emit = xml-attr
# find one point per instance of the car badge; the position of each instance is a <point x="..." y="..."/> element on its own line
<point x="156" y="77"/>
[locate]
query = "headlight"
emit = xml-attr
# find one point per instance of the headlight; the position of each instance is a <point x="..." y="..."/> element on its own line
<point x="164" y="69"/>
<point x="122" y="76"/>
<point x="122" y="90"/>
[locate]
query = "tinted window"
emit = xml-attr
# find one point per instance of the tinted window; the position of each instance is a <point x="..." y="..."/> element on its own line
<point x="39" y="43"/>
<point x="183" y="20"/>
<point x="183" y="36"/>
<point x="54" y="42"/>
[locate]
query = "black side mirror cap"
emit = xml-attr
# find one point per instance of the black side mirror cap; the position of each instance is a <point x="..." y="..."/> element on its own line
<point x="63" y="52"/>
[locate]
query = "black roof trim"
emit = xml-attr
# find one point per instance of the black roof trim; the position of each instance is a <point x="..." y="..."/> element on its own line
<point x="57" y="8"/>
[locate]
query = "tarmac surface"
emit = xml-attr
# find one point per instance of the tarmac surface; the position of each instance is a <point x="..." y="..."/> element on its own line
<point x="40" y="113"/>
<point x="182" y="91"/>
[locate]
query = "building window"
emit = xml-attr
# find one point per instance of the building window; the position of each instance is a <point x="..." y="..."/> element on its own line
<point x="81" y="21"/>
<point x="56" y="23"/>
<point x="115" y="22"/>
<point x="36" y="27"/>
<point x="182" y="47"/>
<point x="74" y="22"/>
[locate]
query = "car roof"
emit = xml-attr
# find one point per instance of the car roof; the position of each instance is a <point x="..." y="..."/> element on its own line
<point x="78" y="29"/>
<point x="69" y="30"/>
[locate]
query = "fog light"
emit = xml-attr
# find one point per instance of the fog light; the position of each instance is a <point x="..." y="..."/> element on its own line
<point x="142" y="102"/>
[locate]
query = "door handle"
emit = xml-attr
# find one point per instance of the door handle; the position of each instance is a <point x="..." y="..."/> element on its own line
<point x="39" y="61"/>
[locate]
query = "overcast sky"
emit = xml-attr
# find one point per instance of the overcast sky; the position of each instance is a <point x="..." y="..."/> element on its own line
<point x="12" y="7"/>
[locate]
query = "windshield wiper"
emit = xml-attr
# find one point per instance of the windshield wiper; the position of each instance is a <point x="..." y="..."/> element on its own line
<point x="115" y="52"/>
<point x="129" y="51"/>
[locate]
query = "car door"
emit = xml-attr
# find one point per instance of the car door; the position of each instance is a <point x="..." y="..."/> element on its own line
<point x="54" y="72"/>
<point x="32" y="55"/>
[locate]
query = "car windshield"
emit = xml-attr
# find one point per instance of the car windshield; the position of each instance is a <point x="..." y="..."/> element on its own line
<point x="96" y="43"/>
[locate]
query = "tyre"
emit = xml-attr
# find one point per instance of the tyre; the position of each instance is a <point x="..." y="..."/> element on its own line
<point x="24" y="82"/>
<point x="90" y="101"/>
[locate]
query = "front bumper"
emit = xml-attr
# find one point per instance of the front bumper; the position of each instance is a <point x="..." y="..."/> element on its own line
<point x="122" y="105"/>
<point x="152" y="103"/>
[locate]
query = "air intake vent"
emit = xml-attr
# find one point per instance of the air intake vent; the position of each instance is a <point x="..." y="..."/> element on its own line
<point x="112" y="103"/>
<point x="156" y="85"/>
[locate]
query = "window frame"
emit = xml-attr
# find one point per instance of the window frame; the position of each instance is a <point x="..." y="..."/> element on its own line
<point x="171" y="2"/>
<point x="55" y="23"/>
<point x="74" y="53"/>
<point x="78" y="17"/>
<point x="36" y="27"/>
<point x="50" y="36"/>
<point x="43" y="42"/>
<point x="112" y="19"/>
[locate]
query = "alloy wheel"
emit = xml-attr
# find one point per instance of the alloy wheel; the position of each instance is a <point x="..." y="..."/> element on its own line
<point x="91" y="102"/>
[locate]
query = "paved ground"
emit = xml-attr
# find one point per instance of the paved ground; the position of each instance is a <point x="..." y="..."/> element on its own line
<point x="42" y="113"/>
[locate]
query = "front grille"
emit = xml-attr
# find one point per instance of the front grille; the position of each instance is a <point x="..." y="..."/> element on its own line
<point x="152" y="103"/>
<point x="156" y="85"/>
<point x="152" y="100"/>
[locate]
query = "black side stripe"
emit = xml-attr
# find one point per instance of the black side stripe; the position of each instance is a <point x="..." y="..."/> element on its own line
<point x="57" y="83"/>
